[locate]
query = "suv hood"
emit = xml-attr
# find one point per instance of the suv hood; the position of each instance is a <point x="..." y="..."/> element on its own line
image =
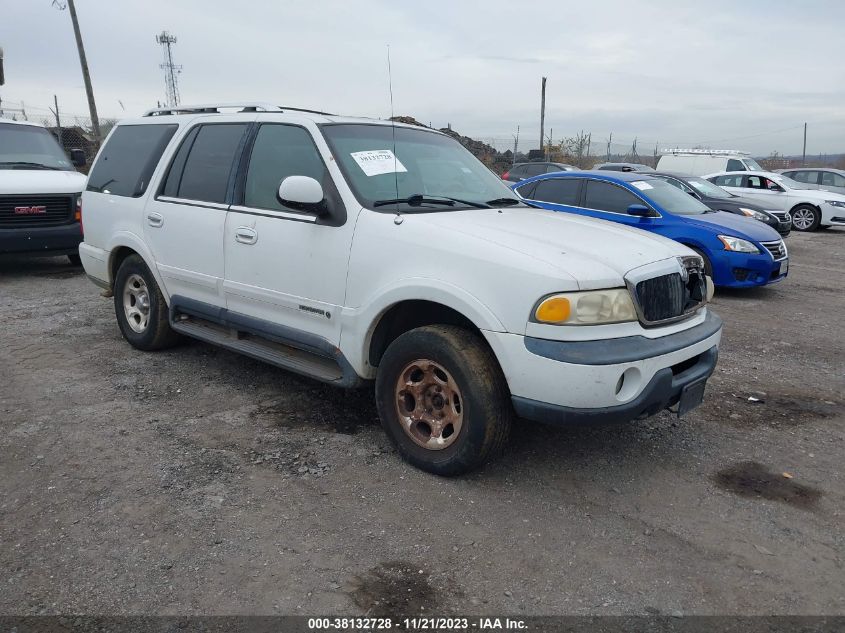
<point x="37" y="181"/>
<point x="724" y="223"/>
<point x="596" y="253"/>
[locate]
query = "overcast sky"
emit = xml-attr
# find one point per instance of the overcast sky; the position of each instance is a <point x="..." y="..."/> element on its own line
<point x="725" y="74"/>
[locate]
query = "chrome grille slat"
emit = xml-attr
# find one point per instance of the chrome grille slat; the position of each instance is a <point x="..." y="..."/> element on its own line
<point x="777" y="249"/>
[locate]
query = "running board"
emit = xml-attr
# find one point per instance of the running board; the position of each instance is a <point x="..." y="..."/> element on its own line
<point x="278" y="354"/>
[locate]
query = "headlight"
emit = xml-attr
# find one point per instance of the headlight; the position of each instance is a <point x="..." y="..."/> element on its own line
<point x="593" y="307"/>
<point x="757" y="215"/>
<point x="835" y="203"/>
<point x="738" y="245"/>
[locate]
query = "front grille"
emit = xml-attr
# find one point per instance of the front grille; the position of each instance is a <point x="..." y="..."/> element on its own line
<point x="777" y="249"/>
<point x="782" y="216"/>
<point x="670" y="297"/>
<point x="30" y="211"/>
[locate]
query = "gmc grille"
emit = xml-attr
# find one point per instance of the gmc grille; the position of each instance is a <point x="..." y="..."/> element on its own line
<point x="777" y="249"/>
<point x="32" y="211"/>
<point x="669" y="297"/>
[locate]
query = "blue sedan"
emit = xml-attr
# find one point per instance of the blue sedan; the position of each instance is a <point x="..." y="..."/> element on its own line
<point x="738" y="252"/>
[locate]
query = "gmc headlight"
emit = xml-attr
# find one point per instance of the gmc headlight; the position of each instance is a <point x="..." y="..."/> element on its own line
<point x="593" y="307"/>
<point x="757" y="215"/>
<point x="835" y="203"/>
<point x="738" y="245"/>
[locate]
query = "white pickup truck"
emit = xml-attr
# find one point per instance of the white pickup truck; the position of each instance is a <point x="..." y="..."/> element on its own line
<point x="358" y="251"/>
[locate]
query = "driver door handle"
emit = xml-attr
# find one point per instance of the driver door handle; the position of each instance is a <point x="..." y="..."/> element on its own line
<point x="246" y="235"/>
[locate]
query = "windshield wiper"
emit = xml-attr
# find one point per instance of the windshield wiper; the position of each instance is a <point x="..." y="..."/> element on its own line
<point x="26" y="164"/>
<point x="418" y="199"/>
<point x="503" y="202"/>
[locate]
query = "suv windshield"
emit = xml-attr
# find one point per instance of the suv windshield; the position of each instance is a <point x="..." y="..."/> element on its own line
<point x="30" y="147"/>
<point x="670" y="198"/>
<point x="752" y="164"/>
<point x="707" y="188"/>
<point x="428" y="172"/>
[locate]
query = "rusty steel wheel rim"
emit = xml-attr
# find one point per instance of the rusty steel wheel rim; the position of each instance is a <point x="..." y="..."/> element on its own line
<point x="429" y="404"/>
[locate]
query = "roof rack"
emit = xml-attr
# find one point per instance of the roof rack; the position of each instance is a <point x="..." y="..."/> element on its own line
<point x="215" y="108"/>
<point x="713" y="152"/>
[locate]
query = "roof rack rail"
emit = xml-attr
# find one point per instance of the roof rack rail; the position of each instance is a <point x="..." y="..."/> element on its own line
<point x="215" y="108"/>
<point x="712" y="152"/>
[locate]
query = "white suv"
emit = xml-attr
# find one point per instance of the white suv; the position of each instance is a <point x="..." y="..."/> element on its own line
<point x="353" y="250"/>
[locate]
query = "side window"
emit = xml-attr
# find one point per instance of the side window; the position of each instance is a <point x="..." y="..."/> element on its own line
<point x="208" y="164"/>
<point x="832" y="179"/>
<point x="534" y="170"/>
<point x="735" y="165"/>
<point x="604" y="196"/>
<point x="728" y="181"/>
<point x="129" y="158"/>
<point x="280" y="151"/>
<point x="771" y="185"/>
<point x="677" y="184"/>
<point x="558" y="191"/>
<point x="527" y="191"/>
<point x="518" y="171"/>
<point x="800" y="176"/>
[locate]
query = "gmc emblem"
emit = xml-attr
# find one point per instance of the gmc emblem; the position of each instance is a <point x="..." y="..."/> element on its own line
<point x="39" y="210"/>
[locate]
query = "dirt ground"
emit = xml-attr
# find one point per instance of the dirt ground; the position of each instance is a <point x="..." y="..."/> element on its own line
<point x="195" y="481"/>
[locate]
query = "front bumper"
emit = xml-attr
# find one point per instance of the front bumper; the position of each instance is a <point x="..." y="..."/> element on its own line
<point x="746" y="270"/>
<point x="609" y="380"/>
<point x="49" y="240"/>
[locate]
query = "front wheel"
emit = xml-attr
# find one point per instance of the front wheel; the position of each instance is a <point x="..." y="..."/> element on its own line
<point x="140" y="307"/>
<point x="443" y="400"/>
<point x="805" y="218"/>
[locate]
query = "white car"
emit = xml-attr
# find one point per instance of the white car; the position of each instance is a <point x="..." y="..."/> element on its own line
<point x="40" y="192"/>
<point x="810" y="208"/>
<point x="697" y="162"/>
<point x="355" y="251"/>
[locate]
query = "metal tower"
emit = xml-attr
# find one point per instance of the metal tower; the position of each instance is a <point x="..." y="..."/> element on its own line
<point x="171" y="70"/>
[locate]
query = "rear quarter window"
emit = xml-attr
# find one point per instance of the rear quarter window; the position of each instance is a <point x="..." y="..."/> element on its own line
<point x="129" y="158"/>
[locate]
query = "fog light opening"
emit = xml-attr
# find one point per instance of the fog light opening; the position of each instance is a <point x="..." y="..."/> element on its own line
<point x="629" y="384"/>
<point x="619" y="383"/>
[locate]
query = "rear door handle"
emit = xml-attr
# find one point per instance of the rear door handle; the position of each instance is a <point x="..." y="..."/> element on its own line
<point x="155" y="219"/>
<point x="246" y="235"/>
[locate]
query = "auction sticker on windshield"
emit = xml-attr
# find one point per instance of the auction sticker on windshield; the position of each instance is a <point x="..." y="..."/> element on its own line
<point x="377" y="162"/>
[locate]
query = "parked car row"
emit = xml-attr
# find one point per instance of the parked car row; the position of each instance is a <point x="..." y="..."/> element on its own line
<point x="359" y="251"/>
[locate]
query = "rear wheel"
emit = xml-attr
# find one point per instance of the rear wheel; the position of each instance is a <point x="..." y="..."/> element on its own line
<point x="140" y="307"/>
<point x="443" y="400"/>
<point x="805" y="218"/>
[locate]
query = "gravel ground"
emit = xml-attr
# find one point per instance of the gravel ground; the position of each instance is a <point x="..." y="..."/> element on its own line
<point x="195" y="481"/>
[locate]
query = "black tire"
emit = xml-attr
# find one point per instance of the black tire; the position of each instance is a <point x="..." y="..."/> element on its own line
<point x="804" y="211"/>
<point x="156" y="334"/>
<point x="75" y="259"/>
<point x="708" y="267"/>
<point x="485" y="407"/>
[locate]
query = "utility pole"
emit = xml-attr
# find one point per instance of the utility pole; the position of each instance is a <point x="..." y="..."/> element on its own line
<point x="608" y="146"/>
<point x="515" y="145"/>
<point x="86" y="76"/>
<point x="804" y="153"/>
<point x="542" y="112"/>
<point x="58" y="122"/>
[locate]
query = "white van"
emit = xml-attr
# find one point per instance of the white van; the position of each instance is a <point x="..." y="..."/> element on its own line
<point x="699" y="162"/>
<point x="40" y="192"/>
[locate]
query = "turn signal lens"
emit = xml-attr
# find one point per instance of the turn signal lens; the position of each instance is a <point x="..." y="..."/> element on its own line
<point x="553" y="310"/>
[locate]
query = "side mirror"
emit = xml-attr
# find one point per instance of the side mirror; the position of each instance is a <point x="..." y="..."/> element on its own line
<point x="303" y="194"/>
<point x="77" y="157"/>
<point x="639" y="210"/>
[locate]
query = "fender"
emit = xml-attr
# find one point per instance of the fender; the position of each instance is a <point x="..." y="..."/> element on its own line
<point x="131" y="240"/>
<point x="358" y="324"/>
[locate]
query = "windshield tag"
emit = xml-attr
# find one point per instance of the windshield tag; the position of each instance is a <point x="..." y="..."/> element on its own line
<point x="378" y="162"/>
<point x="642" y="185"/>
